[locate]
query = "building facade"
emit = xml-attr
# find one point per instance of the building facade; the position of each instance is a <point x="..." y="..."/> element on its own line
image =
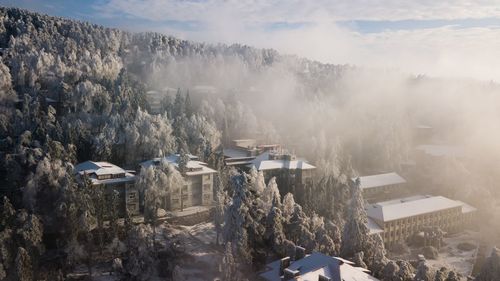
<point x="112" y="178"/>
<point x="198" y="188"/>
<point x="397" y="220"/>
<point x="292" y="175"/>
<point x="381" y="187"/>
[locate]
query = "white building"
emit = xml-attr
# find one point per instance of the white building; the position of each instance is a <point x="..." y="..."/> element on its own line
<point x="399" y="219"/>
<point x="198" y="190"/>
<point x="381" y="186"/>
<point x="112" y="178"/>
<point x="315" y="267"/>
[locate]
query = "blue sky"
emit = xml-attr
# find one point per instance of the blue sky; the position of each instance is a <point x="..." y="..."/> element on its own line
<point x="446" y="37"/>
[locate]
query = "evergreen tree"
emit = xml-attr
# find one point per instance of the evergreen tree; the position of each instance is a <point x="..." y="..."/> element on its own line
<point x="491" y="268"/>
<point x="274" y="234"/>
<point x="424" y="272"/>
<point x="355" y="236"/>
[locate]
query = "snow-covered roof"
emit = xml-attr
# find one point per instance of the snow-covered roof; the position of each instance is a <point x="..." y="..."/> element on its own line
<point x="441" y="150"/>
<point x="466" y="208"/>
<point x="95" y="169"/>
<point x="262" y="163"/>
<point x="409" y="207"/>
<point x="282" y="164"/>
<point x="194" y="166"/>
<point x="380" y="180"/>
<point x="312" y="266"/>
<point x="373" y="227"/>
<point x="235" y="153"/>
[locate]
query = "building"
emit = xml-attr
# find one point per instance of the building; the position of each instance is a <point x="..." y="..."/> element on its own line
<point x="112" y="178"/>
<point x="198" y="189"/>
<point x="315" y="267"/>
<point x="396" y="220"/>
<point x="382" y="186"/>
<point x="292" y="174"/>
<point x="242" y="152"/>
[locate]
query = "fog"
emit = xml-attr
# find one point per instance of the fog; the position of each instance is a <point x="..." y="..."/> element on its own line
<point x="369" y="114"/>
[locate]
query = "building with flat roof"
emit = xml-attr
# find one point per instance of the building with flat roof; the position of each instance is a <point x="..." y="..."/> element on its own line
<point x="315" y="267"/>
<point x="401" y="218"/>
<point x="198" y="189"/>
<point x="242" y="152"/>
<point x="112" y="178"/>
<point x="292" y="174"/>
<point x="382" y="186"/>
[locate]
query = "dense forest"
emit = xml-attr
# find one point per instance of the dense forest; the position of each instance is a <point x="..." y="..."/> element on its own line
<point x="73" y="91"/>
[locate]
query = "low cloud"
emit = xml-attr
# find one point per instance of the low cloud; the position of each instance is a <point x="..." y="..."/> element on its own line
<point x="311" y="30"/>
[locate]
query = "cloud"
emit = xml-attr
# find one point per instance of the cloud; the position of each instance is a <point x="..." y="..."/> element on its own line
<point x="299" y="11"/>
<point x="314" y="29"/>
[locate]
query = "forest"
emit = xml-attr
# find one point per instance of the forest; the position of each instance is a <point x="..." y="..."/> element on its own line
<point x="73" y="91"/>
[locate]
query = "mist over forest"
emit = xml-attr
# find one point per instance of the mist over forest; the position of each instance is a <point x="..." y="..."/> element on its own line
<point x="73" y="91"/>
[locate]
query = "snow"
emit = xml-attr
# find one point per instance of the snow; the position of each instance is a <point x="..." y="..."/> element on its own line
<point x="453" y="258"/>
<point x="380" y="180"/>
<point x="197" y="167"/>
<point x="373" y="227"/>
<point x="235" y="153"/>
<point x="403" y="208"/>
<point x="103" y="168"/>
<point x="202" y="257"/>
<point x="316" y="264"/>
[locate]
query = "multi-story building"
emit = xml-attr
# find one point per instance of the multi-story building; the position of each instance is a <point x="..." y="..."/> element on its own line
<point x="381" y="187"/>
<point x="315" y="267"/>
<point x="292" y="175"/>
<point x="243" y="151"/>
<point x="112" y="178"/>
<point x="199" y="183"/>
<point x="401" y="218"/>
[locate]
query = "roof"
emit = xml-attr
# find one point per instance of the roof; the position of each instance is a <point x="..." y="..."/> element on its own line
<point x="466" y="208"/>
<point x="409" y="207"/>
<point x="261" y="163"/>
<point x="94" y="169"/>
<point x="380" y="180"/>
<point x="315" y="264"/>
<point x="441" y="150"/>
<point x="373" y="227"/>
<point x="235" y="153"/>
<point x="196" y="167"/>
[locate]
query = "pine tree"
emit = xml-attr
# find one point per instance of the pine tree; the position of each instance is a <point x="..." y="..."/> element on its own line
<point x="424" y="272"/>
<point x="188" y="107"/>
<point x="491" y="268"/>
<point x="355" y="234"/>
<point x="274" y="234"/>
<point x="23" y="269"/>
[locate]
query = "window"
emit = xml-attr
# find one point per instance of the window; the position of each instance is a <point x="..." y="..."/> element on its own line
<point x="104" y="177"/>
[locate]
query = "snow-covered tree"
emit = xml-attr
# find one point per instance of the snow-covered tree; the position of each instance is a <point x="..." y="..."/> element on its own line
<point x="355" y="233"/>
<point x="424" y="272"/>
<point x="491" y="268"/>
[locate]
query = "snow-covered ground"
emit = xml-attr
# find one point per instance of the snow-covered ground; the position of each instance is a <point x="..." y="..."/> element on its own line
<point x="453" y="258"/>
<point x="202" y="256"/>
<point x="450" y="256"/>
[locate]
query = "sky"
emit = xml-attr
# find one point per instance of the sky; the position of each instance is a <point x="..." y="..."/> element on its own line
<point x="446" y="38"/>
